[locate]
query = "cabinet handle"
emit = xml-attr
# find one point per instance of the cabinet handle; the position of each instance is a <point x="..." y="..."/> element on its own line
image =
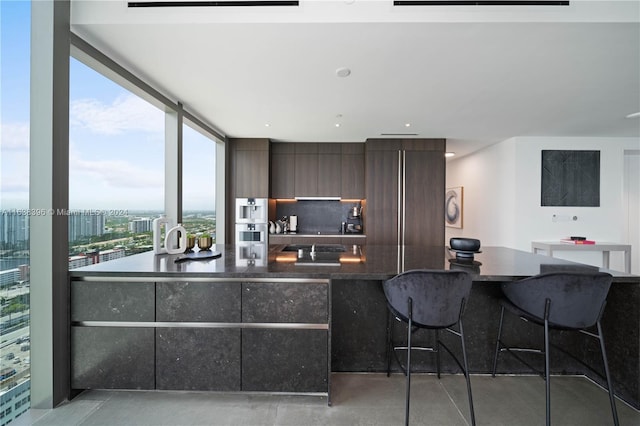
<point x="399" y="239"/>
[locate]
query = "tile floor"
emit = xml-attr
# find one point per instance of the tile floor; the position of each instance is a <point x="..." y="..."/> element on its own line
<point x="357" y="399"/>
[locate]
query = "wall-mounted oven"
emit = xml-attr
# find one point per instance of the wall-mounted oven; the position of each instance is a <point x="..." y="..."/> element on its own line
<point x="251" y="233"/>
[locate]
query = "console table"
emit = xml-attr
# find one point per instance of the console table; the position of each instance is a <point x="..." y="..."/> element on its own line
<point x="605" y="248"/>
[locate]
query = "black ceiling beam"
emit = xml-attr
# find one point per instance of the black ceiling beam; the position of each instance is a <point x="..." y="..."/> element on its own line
<point x="478" y="3"/>
<point x="231" y="3"/>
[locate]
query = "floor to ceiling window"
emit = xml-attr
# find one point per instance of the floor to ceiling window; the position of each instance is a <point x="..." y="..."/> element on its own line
<point x="198" y="182"/>
<point x="116" y="169"/>
<point x="15" y="23"/>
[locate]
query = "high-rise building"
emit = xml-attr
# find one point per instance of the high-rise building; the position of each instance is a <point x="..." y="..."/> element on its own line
<point x="85" y="224"/>
<point x="14" y="227"/>
<point x="139" y="225"/>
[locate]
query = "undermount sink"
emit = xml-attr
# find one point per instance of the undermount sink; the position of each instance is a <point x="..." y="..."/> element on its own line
<point x="325" y="254"/>
<point x="320" y="248"/>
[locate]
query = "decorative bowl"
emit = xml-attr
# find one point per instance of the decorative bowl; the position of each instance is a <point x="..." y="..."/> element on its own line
<point x="464" y="244"/>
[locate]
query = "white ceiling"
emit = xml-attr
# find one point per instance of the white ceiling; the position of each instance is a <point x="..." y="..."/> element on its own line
<point x="474" y="75"/>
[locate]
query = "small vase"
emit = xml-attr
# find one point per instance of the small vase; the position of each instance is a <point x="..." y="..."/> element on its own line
<point x="205" y="243"/>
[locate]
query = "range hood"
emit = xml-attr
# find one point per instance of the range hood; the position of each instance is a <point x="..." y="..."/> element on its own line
<point x="336" y="198"/>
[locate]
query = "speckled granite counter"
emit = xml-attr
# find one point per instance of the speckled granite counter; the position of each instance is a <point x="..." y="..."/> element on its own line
<point x="374" y="263"/>
<point x="150" y="322"/>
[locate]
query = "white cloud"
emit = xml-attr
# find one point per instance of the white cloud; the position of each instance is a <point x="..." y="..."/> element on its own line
<point x="15" y="184"/>
<point x="116" y="173"/>
<point x="14" y="136"/>
<point x="126" y="113"/>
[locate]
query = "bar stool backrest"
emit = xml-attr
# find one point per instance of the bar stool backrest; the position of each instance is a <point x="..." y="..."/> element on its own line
<point x="576" y="298"/>
<point x="437" y="296"/>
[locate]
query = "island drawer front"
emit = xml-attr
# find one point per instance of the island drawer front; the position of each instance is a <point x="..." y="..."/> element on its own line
<point x="198" y="301"/>
<point x="285" y="302"/>
<point x="203" y="359"/>
<point x="112" y="358"/>
<point x="112" y="301"/>
<point x="285" y="360"/>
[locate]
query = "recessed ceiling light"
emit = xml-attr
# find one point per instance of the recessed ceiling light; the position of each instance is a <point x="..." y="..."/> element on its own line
<point x="449" y="154"/>
<point x="343" y="72"/>
<point x="633" y="115"/>
<point x="407" y="124"/>
<point x="337" y="124"/>
<point x="267" y="125"/>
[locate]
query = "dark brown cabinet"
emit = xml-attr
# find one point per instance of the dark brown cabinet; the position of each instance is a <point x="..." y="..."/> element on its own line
<point x="352" y="171"/>
<point x="405" y="181"/>
<point x="250" y="167"/>
<point x="306" y="170"/>
<point x="282" y="170"/>
<point x="317" y="170"/>
<point x="247" y="175"/>
<point x="329" y="170"/>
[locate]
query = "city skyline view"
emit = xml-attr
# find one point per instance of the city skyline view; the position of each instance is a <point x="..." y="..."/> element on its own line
<point x="116" y="139"/>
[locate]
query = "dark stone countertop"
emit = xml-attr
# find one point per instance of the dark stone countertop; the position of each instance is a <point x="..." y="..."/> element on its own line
<point x="366" y="262"/>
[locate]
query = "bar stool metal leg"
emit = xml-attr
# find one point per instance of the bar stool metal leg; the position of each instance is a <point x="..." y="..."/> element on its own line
<point x="466" y="374"/>
<point x="612" y="399"/>
<point x="546" y="370"/>
<point x="498" y="344"/>
<point x="406" y="416"/>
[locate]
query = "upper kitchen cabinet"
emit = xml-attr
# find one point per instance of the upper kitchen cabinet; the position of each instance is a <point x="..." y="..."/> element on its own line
<point x="352" y="171"/>
<point x="282" y="170"/>
<point x="306" y="170"/>
<point x="317" y="170"/>
<point x="329" y="170"/>
<point x="405" y="181"/>
<point x="249" y="164"/>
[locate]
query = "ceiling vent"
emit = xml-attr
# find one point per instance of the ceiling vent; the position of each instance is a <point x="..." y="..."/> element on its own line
<point x="478" y="3"/>
<point x="228" y="3"/>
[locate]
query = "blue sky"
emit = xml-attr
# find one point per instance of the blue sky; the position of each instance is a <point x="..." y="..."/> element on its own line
<point x="115" y="138"/>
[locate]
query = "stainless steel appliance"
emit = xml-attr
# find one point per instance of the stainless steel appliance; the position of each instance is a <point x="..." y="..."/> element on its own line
<point x="249" y="254"/>
<point x="251" y="233"/>
<point x="251" y="210"/>
<point x="252" y="230"/>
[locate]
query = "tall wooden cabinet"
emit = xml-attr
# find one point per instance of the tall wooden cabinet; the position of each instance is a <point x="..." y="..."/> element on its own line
<point x="405" y="181"/>
<point x="247" y="175"/>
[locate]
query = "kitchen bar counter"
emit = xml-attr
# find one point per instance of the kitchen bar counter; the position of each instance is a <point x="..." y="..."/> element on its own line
<point x="220" y="324"/>
<point x="369" y="262"/>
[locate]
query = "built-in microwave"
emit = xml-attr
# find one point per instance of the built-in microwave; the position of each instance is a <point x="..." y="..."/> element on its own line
<point x="251" y="233"/>
<point x="251" y="210"/>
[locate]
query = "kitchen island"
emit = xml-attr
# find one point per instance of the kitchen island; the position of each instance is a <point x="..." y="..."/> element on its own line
<point x="149" y="322"/>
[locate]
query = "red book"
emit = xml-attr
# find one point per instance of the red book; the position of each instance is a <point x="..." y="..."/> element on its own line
<point x="570" y="241"/>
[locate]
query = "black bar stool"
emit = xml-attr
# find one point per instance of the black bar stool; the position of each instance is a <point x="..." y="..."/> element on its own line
<point x="558" y="301"/>
<point x="430" y="299"/>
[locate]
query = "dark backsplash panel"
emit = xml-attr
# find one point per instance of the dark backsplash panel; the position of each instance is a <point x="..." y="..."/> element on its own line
<point x="314" y="215"/>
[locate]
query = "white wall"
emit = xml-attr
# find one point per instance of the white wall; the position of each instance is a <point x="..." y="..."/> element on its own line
<point x="501" y="199"/>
